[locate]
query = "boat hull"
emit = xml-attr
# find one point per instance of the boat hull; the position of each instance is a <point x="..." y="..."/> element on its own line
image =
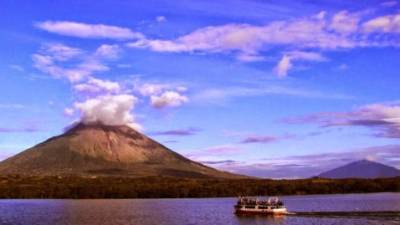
<point x="281" y="211"/>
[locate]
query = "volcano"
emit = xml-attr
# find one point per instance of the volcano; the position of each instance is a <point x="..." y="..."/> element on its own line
<point x="362" y="169"/>
<point x="97" y="149"/>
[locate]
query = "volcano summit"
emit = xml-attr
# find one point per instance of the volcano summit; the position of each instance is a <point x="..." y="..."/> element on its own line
<point x="97" y="149"/>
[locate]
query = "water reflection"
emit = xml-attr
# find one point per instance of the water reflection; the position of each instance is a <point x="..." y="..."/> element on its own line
<point x="262" y="219"/>
<point x="191" y="211"/>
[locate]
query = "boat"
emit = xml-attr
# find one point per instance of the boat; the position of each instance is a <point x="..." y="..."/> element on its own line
<point x="255" y="206"/>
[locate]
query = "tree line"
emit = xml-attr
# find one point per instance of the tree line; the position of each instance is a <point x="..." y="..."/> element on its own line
<point x="167" y="187"/>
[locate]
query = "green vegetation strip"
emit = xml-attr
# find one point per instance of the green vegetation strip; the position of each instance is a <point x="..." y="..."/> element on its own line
<point x="167" y="187"/>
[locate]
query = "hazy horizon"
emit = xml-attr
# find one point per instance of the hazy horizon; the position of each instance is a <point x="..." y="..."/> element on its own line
<point x="283" y="90"/>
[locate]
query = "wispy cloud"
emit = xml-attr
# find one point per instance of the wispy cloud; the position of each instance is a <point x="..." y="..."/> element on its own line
<point x="389" y="3"/>
<point x="28" y="129"/>
<point x="51" y="60"/>
<point x="228" y="161"/>
<point x="61" y="52"/>
<point x="384" y="118"/>
<point x="214" y="151"/>
<point x="94" y="85"/>
<point x="259" y="139"/>
<point x="345" y="22"/>
<point x="84" y="30"/>
<point x="303" y="166"/>
<point x="17" y="67"/>
<point x="218" y="95"/>
<point x="62" y="61"/>
<point x="286" y="63"/>
<point x="178" y="132"/>
<point x="11" y="106"/>
<point x="321" y="32"/>
<point x="249" y="39"/>
<point x="383" y="24"/>
<point x="108" y="51"/>
<point x="170" y="141"/>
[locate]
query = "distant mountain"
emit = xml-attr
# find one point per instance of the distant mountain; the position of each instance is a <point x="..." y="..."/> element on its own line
<point x="97" y="149"/>
<point x="361" y="169"/>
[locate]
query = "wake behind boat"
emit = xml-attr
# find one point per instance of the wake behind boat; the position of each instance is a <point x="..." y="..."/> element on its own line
<point x="255" y="206"/>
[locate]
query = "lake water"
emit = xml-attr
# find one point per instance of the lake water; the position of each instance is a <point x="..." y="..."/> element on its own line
<point x="193" y="211"/>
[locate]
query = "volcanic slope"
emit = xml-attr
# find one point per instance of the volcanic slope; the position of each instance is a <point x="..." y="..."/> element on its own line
<point x="97" y="149"/>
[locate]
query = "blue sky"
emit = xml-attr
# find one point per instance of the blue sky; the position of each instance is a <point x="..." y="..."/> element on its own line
<point x="274" y="90"/>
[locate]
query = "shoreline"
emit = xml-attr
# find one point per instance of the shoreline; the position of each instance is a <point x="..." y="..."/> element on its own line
<point x="198" y="198"/>
<point x="73" y="187"/>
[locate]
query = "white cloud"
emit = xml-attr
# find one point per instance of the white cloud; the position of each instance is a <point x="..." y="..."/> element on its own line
<point x="42" y="60"/>
<point x="321" y="15"/>
<point x="168" y="99"/>
<point x="84" y="30"/>
<point x="181" y="89"/>
<point x="345" y="22"/>
<point x="386" y="24"/>
<point x="86" y="88"/>
<point x="92" y="65"/>
<point x="61" y="52"/>
<point x="148" y="89"/>
<point x="248" y="43"/>
<point x="55" y="60"/>
<point x="108" y="51"/>
<point x="78" y="74"/>
<point x="213" y="38"/>
<point x="69" y="112"/>
<point x="162" y="94"/>
<point x="108" y="107"/>
<point x="47" y="64"/>
<point x="161" y="19"/>
<point x="286" y="63"/>
<point x="109" y="110"/>
<point x="94" y="85"/>
<point x="249" y="39"/>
